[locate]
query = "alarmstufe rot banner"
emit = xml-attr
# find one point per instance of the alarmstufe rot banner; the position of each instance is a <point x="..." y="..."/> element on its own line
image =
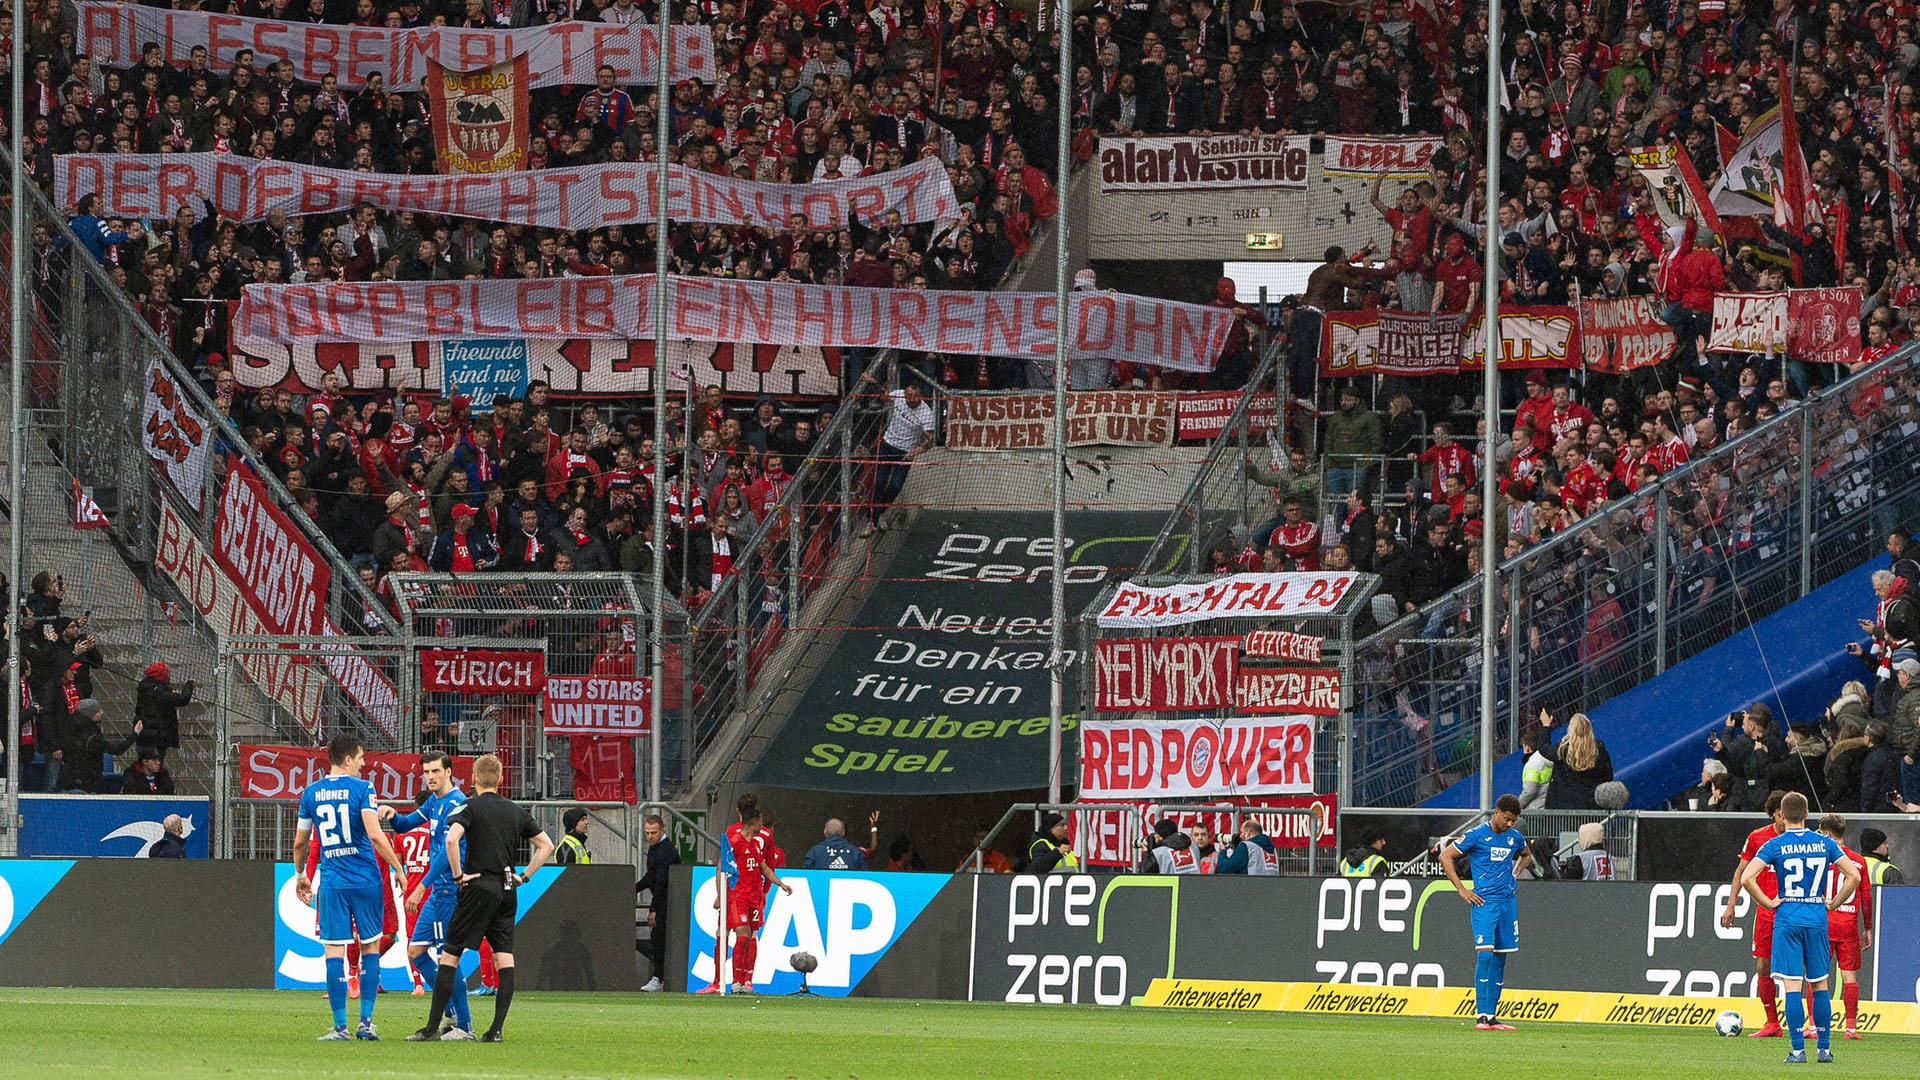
<point x="1186" y="337"/>
<point x="1233" y="596"/>
<point x="482" y="671"/>
<point x="479" y="117"/>
<point x="558" y="54"/>
<point x="1106" y="837"/>
<point x="1180" y="759"/>
<point x="283" y="772"/>
<point x="1163" y="163"/>
<point x="1164" y="674"/>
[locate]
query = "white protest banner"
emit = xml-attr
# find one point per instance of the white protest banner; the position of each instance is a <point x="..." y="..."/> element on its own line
<point x="245" y="189"/>
<point x="1542" y="336"/>
<point x="1312" y="691"/>
<point x="1749" y="322"/>
<point x="597" y="705"/>
<point x="1094" y="418"/>
<point x="1391" y="157"/>
<point x="1282" y="645"/>
<point x="1617" y="336"/>
<point x="1204" y="163"/>
<point x="558" y="54"/>
<point x="176" y="437"/>
<point x="1233" y="596"/>
<point x="1164" y="674"/>
<point x="1824" y="325"/>
<point x="1171" y="759"/>
<point x="1186" y="337"/>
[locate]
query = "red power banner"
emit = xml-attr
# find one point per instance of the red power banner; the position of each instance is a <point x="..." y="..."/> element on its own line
<point x="482" y="671"/>
<point x="1164" y="674"/>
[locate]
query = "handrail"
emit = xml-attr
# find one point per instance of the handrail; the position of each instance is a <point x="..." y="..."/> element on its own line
<point x="1138" y="814"/>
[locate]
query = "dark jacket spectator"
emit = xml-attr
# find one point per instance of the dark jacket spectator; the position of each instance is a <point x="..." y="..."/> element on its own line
<point x="1804" y="767"/>
<point x="1845" y="762"/>
<point x="157" y="707"/>
<point x="148" y="776"/>
<point x="1580" y="764"/>
<point x="835" y="852"/>
<point x="171" y="845"/>
<point x="1879" y="772"/>
<point x="1749" y="751"/>
<point x="85" y="745"/>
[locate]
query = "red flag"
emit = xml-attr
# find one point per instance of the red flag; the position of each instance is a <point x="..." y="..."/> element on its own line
<point x="1793" y="190"/>
<point x="87" y="513"/>
<point x="1726" y="141"/>
<point x="1896" y="187"/>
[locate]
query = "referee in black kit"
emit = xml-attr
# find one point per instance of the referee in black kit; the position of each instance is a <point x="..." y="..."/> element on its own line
<point x="492" y="827"/>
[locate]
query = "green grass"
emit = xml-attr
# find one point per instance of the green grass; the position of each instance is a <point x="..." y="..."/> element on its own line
<point x="162" y="1034"/>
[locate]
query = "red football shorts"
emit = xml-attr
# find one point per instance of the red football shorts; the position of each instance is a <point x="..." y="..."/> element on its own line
<point x="1763" y="934"/>
<point x="1846" y="953"/>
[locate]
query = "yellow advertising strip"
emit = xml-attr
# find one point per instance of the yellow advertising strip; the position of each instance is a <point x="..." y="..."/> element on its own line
<point x="1516" y="1006"/>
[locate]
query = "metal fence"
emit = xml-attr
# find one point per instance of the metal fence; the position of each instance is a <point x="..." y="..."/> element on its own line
<point x="1024" y="819"/>
<point x="265" y="828"/>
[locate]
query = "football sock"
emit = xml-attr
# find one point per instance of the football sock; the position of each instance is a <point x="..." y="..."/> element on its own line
<point x="1796" y="1019"/>
<point x="462" y="1013"/>
<point x="1823" y="1016"/>
<point x="443" y="980"/>
<point x="1483" y="993"/>
<point x="1769" y="998"/>
<point x="743" y="957"/>
<point x="1499" y="973"/>
<point x="369" y="987"/>
<point x="1850" y="998"/>
<point x="502" y="1000"/>
<point x="337" y="989"/>
<point x="1808" y="991"/>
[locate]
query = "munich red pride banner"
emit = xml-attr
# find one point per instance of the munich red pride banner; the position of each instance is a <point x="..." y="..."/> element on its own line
<point x="283" y="772"/>
<point x="1282" y="645"/>
<point x="1233" y="596"/>
<point x="1164" y="674"/>
<point x="1094" y="418"/>
<point x="1546" y="336"/>
<point x="1265" y="691"/>
<point x="1160" y="163"/>
<point x="1180" y="759"/>
<point x="1618" y="336"/>
<point x="245" y="189"/>
<point x="1204" y="414"/>
<point x="1185" y="337"/>
<point x="1823" y="325"/>
<point x="479" y="117"/>
<point x="1106" y="837"/>
<point x="482" y="671"/>
<point x="598" y="705"/>
<point x="115" y="35"/>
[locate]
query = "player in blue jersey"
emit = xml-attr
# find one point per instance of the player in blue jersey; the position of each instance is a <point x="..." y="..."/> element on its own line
<point x="1801" y="860"/>
<point x="1496" y="853"/>
<point x="352" y="897"/>
<point x="431" y="902"/>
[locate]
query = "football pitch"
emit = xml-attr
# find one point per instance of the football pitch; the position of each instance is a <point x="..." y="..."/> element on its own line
<point x="164" y="1033"/>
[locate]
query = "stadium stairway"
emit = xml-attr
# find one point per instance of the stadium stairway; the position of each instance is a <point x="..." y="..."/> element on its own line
<point x="1656" y="733"/>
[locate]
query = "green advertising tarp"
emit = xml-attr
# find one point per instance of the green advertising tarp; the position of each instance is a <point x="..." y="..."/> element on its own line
<point x="943" y="686"/>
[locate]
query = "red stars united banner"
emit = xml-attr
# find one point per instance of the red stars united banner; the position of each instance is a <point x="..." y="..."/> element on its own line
<point x="1171" y="759"/>
<point x="557" y="54"/>
<point x="245" y="189"/>
<point x="1186" y="337"/>
<point x="1203" y="163"/>
<point x="479" y="117"/>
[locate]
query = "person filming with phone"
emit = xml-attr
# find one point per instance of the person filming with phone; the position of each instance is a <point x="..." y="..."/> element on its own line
<point x="1748" y="743"/>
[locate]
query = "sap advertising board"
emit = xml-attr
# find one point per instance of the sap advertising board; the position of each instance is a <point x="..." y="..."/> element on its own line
<point x="1076" y="938"/>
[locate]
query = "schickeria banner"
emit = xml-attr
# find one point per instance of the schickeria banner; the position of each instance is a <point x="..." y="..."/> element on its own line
<point x="943" y="688"/>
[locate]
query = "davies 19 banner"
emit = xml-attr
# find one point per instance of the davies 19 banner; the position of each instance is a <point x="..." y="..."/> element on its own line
<point x="598" y="705"/>
<point x="1409" y="343"/>
<point x="1186" y="337"/>
<point x="1236" y="596"/>
<point x="1203" y="163"/>
<point x="1094" y="418"/>
<point x="479" y="117"/>
<point x="557" y="54"/>
<point x="245" y="189"/>
<point x="1617" y="336"/>
<point x="1164" y="674"/>
<point x="175" y="436"/>
<point x="1176" y="759"/>
<point x="482" y="671"/>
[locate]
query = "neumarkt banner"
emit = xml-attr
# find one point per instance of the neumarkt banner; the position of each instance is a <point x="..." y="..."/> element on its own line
<point x="943" y="688"/>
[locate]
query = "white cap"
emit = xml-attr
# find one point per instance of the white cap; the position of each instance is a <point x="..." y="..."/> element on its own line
<point x="1085" y="281"/>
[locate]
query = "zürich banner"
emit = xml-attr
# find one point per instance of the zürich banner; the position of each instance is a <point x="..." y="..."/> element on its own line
<point x="557" y="54"/>
<point x="1185" y="337"/>
<point x="244" y="189"/>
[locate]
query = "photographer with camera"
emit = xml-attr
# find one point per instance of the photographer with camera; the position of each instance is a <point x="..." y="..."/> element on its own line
<point x="1749" y="744"/>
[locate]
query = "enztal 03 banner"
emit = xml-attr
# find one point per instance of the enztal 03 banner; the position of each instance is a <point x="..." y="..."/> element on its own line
<point x="479" y="117"/>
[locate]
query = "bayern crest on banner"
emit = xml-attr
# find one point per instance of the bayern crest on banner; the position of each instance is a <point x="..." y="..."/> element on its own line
<point x="480" y="117"/>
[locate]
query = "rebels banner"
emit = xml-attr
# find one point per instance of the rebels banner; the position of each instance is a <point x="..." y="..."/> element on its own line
<point x="598" y="705"/>
<point x="557" y="54"/>
<point x="283" y="772"/>
<point x="1186" y="337"/>
<point x="1282" y="645"/>
<point x="1530" y="337"/>
<point x="1242" y="596"/>
<point x="1105" y="837"/>
<point x="1179" y="759"/>
<point x="482" y="671"/>
<point x="1824" y="325"/>
<point x="175" y="436"/>
<point x="1749" y="322"/>
<point x="479" y="117"/>
<point x="245" y="189"/>
<point x="1204" y="414"/>
<point x="1164" y="674"/>
<point x="1289" y="691"/>
<point x="1617" y="336"/>
<point x="1094" y="418"/>
<point x="1406" y="157"/>
<point x="1204" y="163"/>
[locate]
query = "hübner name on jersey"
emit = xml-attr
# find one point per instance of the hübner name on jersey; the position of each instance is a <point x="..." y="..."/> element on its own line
<point x="333" y="795"/>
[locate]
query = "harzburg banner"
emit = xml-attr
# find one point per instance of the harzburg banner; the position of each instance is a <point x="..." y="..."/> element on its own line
<point x="245" y="189"/>
<point x="1204" y="163"/>
<point x="1176" y="759"/>
<point x="1250" y="596"/>
<point x="557" y="54"/>
<point x="479" y="117"/>
<point x="1823" y="325"/>
<point x="1351" y="342"/>
<point x="482" y="671"/>
<point x="283" y="772"/>
<point x="1164" y="674"/>
<point x="1186" y="337"/>
<point x="1398" y="157"/>
<point x="1749" y="322"/>
<point x="569" y="366"/>
<point x="175" y="436"/>
<point x="1618" y="336"/>
<point x="1263" y="691"/>
<point x="1106" y="837"/>
<point x="597" y="705"/>
<point x="1094" y="418"/>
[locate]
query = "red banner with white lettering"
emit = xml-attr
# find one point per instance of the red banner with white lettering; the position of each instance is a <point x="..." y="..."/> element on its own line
<point x="482" y="671"/>
<point x="1823" y="325"/>
<point x="115" y="35"/>
<point x="1618" y="336"/>
<point x="1164" y="674"/>
<point x="1390" y="157"/>
<point x="1204" y="414"/>
<point x="1179" y="759"/>
<point x="479" y="117"/>
<point x="1265" y="691"/>
<point x="598" y="705"/>
<point x="283" y="772"/>
<point x="1094" y="418"/>
<point x="1164" y="333"/>
<point x="1282" y="645"/>
<point x="1352" y="342"/>
<point x="1106" y="837"/>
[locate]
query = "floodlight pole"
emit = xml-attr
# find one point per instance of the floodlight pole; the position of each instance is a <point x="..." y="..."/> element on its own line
<point x="17" y="443"/>
<point x="1062" y="358"/>
<point x="1490" y="411"/>
<point x="656" y="602"/>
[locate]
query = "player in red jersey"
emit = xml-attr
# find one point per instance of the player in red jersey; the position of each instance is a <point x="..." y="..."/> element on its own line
<point x="1762" y="917"/>
<point x="415" y="848"/>
<point x="747" y="893"/>
<point x="1849" y="927"/>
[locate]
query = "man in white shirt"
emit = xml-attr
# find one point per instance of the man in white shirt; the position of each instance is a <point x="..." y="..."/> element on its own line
<point x="909" y="431"/>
